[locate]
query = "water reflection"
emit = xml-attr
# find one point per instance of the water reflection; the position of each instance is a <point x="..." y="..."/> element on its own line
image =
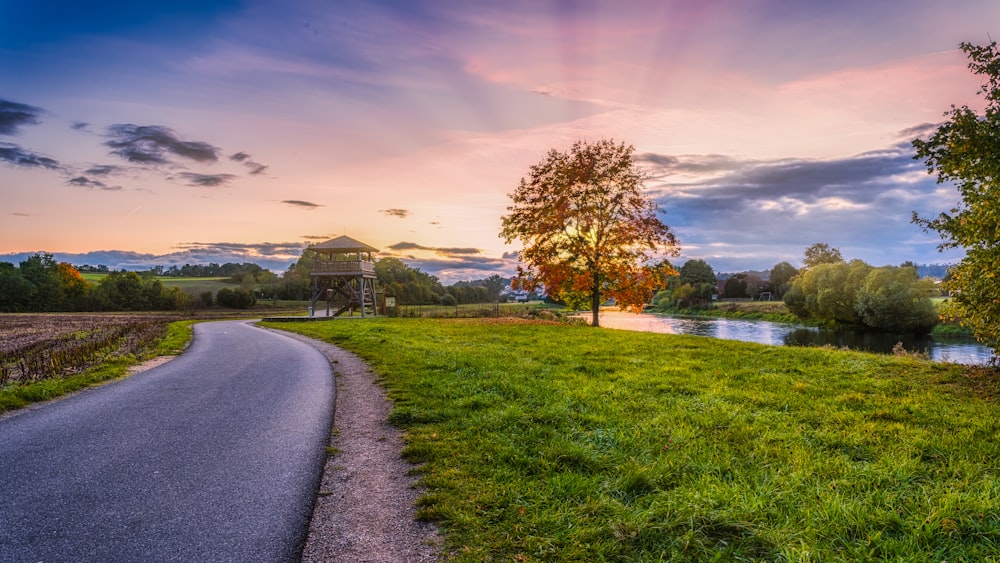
<point x="764" y="332"/>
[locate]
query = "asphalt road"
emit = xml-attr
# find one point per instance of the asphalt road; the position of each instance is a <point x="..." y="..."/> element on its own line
<point x="213" y="456"/>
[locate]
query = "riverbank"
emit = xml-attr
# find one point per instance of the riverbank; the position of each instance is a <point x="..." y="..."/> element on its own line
<point x="965" y="351"/>
<point x="772" y="311"/>
<point x="566" y="443"/>
<point x="777" y="312"/>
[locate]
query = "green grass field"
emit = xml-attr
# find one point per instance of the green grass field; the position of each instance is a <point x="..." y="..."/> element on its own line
<point x="196" y="286"/>
<point x="466" y="310"/>
<point x="548" y="442"/>
<point x="193" y="286"/>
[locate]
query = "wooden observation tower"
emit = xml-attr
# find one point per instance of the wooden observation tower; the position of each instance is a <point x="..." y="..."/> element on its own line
<point x="344" y="272"/>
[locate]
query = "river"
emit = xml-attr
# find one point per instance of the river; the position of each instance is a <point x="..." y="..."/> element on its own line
<point x="766" y="332"/>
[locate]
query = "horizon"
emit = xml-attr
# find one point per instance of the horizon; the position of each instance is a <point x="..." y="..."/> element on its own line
<point x="136" y="264"/>
<point x="242" y="131"/>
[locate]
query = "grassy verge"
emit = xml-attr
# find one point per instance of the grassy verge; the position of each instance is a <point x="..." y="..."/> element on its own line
<point x="478" y="310"/>
<point x="19" y="395"/>
<point x="541" y="441"/>
<point x="774" y="311"/>
<point x="951" y="330"/>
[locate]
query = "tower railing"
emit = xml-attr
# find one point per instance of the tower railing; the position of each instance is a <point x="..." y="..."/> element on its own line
<point x="343" y="267"/>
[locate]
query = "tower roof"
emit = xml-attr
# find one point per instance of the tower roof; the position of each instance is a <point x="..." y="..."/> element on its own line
<point x="343" y="243"/>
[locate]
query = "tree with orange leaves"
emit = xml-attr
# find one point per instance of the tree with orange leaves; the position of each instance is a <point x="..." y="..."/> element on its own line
<point x="588" y="230"/>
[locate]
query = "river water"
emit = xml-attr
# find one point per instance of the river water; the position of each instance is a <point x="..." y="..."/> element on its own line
<point x="765" y="332"/>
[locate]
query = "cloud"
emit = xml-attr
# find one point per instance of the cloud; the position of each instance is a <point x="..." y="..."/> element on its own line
<point x="481" y="263"/>
<point x="690" y="164"/>
<point x="150" y="144"/>
<point x="79" y="126"/>
<point x="255" y="167"/>
<point x="245" y="159"/>
<point x="750" y="214"/>
<point x="19" y="214"/>
<point x="17" y="156"/>
<point x="317" y="237"/>
<point x="921" y="131"/>
<point x="207" y="180"/>
<point x="401" y="213"/>
<point x="451" y="271"/>
<point x="400" y="246"/>
<point x="722" y="179"/>
<point x="299" y="203"/>
<point x="14" y="115"/>
<point x="248" y="249"/>
<point x="86" y="182"/>
<point x="273" y="256"/>
<point x="105" y="170"/>
<point x="451" y="264"/>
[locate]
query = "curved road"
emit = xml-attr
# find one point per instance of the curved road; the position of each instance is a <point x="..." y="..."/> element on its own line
<point x="213" y="456"/>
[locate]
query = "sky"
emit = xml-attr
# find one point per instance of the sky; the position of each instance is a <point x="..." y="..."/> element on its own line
<point x="194" y="131"/>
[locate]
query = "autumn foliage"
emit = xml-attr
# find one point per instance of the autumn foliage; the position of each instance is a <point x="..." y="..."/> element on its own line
<point x="589" y="233"/>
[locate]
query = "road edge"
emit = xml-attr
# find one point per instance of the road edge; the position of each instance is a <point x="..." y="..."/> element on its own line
<point x="365" y="506"/>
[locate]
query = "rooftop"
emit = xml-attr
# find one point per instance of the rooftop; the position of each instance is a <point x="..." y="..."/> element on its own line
<point x="343" y="243"/>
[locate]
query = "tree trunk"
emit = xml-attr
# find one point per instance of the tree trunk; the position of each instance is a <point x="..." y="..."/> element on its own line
<point x="595" y="301"/>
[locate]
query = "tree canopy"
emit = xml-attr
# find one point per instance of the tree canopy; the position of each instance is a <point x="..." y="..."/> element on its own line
<point x="855" y="293"/>
<point x="781" y="278"/>
<point x="821" y="253"/>
<point x="410" y="285"/>
<point x="965" y="151"/>
<point x="42" y="284"/>
<point x="691" y="287"/>
<point x="697" y="272"/>
<point x="588" y="230"/>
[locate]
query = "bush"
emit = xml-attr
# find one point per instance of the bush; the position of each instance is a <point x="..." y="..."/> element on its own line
<point x="239" y="298"/>
<point x="173" y="299"/>
<point x="854" y="293"/>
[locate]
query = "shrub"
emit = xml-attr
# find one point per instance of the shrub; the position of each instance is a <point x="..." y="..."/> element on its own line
<point x="238" y="298"/>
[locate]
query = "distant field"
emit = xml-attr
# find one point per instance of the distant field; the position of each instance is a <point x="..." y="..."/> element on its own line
<point x="190" y="285"/>
<point x="196" y="285"/>
<point x="471" y="309"/>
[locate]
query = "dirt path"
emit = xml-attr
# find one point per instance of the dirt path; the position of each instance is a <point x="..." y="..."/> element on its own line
<point x="365" y="510"/>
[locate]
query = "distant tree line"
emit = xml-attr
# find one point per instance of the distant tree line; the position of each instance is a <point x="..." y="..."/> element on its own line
<point x="827" y="289"/>
<point x="697" y="285"/>
<point x="211" y="270"/>
<point x="409" y="285"/>
<point x="40" y="284"/>
<point x="692" y="287"/>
